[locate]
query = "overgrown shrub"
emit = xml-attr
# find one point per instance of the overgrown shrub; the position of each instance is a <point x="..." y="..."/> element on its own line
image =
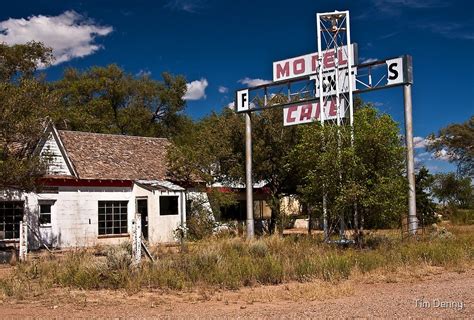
<point x="462" y="217"/>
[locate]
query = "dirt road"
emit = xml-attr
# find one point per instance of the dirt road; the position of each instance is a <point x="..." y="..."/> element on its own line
<point x="436" y="294"/>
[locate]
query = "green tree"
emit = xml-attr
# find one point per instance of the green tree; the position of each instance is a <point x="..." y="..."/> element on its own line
<point x="457" y="142"/>
<point x="109" y="100"/>
<point x="367" y="173"/>
<point x="272" y="144"/>
<point x="453" y="190"/>
<point x="26" y="104"/>
<point x="20" y="62"/>
<point x="425" y="206"/>
<point x="209" y="150"/>
<point x="204" y="153"/>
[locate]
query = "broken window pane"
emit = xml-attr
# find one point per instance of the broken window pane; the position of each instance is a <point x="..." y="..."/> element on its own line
<point x="11" y="213"/>
<point x="168" y="205"/>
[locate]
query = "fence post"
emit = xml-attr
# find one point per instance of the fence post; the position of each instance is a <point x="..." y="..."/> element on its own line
<point x="23" y="241"/>
<point x="137" y="239"/>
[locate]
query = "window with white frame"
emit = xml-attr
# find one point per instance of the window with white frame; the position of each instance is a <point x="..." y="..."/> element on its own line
<point x="45" y="208"/>
<point x="113" y="217"/>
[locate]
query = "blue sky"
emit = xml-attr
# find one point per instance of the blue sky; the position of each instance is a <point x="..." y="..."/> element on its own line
<point x="217" y="45"/>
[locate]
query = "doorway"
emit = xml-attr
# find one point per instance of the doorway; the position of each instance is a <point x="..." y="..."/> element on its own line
<point x="142" y="208"/>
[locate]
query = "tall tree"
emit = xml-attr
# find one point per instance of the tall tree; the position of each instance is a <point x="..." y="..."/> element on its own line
<point x="26" y="104"/>
<point x="272" y="144"/>
<point x="456" y="141"/>
<point x="425" y="206"/>
<point x="453" y="190"/>
<point x="109" y="100"/>
<point x="368" y="172"/>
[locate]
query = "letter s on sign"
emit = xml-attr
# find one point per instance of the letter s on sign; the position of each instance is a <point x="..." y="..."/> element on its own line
<point x="394" y="71"/>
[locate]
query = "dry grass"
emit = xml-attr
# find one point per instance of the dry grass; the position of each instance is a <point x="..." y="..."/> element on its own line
<point x="231" y="263"/>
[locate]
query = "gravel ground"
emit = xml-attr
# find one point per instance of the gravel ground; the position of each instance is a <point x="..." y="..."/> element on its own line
<point x="438" y="294"/>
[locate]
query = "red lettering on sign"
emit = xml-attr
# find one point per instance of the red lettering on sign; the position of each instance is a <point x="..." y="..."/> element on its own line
<point x="298" y="66"/>
<point x="340" y="55"/>
<point x="283" y="71"/>
<point x="306" y="112"/>
<point x="289" y="116"/>
<point x="329" y="59"/>
<point x="314" y="63"/>
<point x="318" y="110"/>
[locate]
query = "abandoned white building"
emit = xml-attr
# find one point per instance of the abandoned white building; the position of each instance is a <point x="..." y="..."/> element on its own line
<point x="94" y="186"/>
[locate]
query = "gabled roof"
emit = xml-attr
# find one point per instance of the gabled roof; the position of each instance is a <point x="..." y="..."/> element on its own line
<point x="115" y="157"/>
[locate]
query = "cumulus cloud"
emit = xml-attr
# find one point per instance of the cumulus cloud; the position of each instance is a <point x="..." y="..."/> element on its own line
<point x="223" y="89"/>
<point x="253" y="82"/>
<point x="196" y="90"/>
<point x="69" y="34"/>
<point x="231" y="105"/>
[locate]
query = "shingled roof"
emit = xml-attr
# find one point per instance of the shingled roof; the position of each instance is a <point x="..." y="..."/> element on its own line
<point x="115" y="157"/>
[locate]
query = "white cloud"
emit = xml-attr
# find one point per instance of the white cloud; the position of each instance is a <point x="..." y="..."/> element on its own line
<point x="231" y="105"/>
<point x="69" y="34"/>
<point x="369" y="60"/>
<point x="196" y="90"/>
<point x="444" y="155"/>
<point x="253" y="82"/>
<point x="223" y="89"/>
<point x="420" y="142"/>
<point x="143" y="73"/>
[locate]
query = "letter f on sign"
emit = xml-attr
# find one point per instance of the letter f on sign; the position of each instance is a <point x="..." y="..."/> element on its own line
<point x="242" y="100"/>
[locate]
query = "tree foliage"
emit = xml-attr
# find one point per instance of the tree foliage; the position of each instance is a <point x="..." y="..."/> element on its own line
<point x="425" y="206"/>
<point x="109" y="100"/>
<point x="457" y="142"/>
<point x="368" y="172"/>
<point x="26" y="104"/>
<point x="453" y="190"/>
<point x="20" y="62"/>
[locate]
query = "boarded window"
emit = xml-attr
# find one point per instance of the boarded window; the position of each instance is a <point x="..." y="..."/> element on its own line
<point x="168" y="205"/>
<point x="11" y="213"/>
<point x="112" y="217"/>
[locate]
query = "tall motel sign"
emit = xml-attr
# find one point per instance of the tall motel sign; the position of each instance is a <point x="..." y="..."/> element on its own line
<point x="328" y="78"/>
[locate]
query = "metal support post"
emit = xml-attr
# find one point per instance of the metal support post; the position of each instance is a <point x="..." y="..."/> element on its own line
<point x="248" y="175"/>
<point x="23" y="241"/>
<point x="325" y="217"/>
<point x="137" y="240"/>
<point x="412" y="220"/>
